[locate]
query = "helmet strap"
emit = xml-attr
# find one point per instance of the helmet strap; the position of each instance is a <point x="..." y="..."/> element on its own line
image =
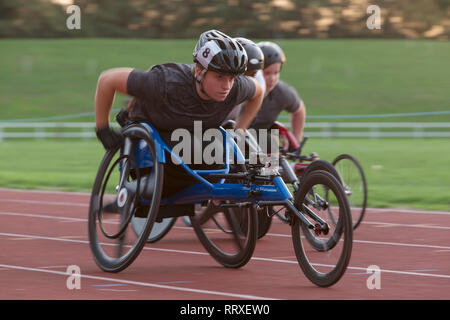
<point x="199" y="79"/>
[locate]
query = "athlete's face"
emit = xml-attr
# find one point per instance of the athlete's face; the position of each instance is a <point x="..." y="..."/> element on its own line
<point x="217" y="86"/>
<point x="272" y="75"/>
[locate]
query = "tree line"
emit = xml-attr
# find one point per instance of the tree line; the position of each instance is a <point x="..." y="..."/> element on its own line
<point x="254" y="19"/>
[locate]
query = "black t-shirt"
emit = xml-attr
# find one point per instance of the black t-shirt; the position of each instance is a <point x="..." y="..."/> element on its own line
<point x="281" y="97"/>
<point x="166" y="96"/>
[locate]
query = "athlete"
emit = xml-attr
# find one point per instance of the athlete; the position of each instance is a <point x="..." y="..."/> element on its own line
<point x="254" y="69"/>
<point x="174" y="95"/>
<point x="279" y="95"/>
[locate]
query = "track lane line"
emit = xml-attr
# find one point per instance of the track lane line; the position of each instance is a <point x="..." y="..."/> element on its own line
<point x="47" y="192"/>
<point x="142" y="284"/>
<point x="269" y="234"/>
<point x="253" y="258"/>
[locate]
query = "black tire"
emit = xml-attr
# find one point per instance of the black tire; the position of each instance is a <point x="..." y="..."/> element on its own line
<point x="231" y="249"/>
<point x="328" y="167"/>
<point x="120" y="248"/>
<point x="321" y="165"/>
<point x="159" y="229"/>
<point x="264" y="221"/>
<point x="336" y="252"/>
<point x="355" y="185"/>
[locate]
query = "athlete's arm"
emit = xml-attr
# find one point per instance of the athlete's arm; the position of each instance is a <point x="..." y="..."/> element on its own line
<point x="251" y="107"/>
<point x="298" y="118"/>
<point x="109" y="82"/>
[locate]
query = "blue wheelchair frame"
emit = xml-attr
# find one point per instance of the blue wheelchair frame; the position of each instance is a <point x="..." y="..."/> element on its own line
<point x="251" y="193"/>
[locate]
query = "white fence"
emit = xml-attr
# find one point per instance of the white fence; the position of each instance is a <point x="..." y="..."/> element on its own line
<point x="378" y="129"/>
<point x="41" y="130"/>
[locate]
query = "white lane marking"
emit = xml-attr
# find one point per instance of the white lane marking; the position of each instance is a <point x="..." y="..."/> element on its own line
<point x="206" y="254"/>
<point x="45" y="192"/>
<point x="269" y="234"/>
<point x="405" y="225"/>
<point x="143" y="284"/>
<point x="88" y="195"/>
<point x="51" y="203"/>
<point x="394" y="210"/>
<point x="42" y="216"/>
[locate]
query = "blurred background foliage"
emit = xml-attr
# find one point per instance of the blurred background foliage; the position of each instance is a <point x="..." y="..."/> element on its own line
<point x="274" y="19"/>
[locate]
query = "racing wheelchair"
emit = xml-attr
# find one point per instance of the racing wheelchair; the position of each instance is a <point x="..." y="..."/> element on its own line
<point x="131" y="177"/>
<point x="345" y="167"/>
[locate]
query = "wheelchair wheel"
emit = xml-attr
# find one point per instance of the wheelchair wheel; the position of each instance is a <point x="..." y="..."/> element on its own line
<point x="325" y="255"/>
<point x="354" y="182"/>
<point x="118" y="194"/>
<point x="159" y="229"/>
<point x="321" y="165"/>
<point x="264" y="222"/>
<point x="325" y="198"/>
<point x="227" y="233"/>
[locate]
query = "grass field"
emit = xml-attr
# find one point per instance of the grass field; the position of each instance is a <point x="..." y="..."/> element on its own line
<point x="45" y="78"/>
<point x="401" y="173"/>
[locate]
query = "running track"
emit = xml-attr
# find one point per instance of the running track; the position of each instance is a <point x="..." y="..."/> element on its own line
<point x="42" y="233"/>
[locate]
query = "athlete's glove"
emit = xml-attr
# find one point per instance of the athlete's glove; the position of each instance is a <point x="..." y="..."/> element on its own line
<point x="109" y="138"/>
<point x="122" y="117"/>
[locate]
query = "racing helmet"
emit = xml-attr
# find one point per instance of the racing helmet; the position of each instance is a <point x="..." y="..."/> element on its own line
<point x="254" y="54"/>
<point x="216" y="51"/>
<point x="272" y="53"/>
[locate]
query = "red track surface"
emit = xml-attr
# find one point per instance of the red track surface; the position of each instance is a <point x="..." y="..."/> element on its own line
<point x="42" y="233"/>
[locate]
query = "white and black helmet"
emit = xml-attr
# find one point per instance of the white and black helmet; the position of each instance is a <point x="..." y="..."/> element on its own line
<point x="216" y="51"/>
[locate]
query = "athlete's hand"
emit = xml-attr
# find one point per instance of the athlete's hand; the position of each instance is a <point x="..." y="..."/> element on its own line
<point x="109" y="138"/>
<point x="122" y="117"/>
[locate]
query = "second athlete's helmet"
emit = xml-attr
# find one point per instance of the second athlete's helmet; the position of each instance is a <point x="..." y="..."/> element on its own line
<point x="254" y="54"/>
<point x="218" y="52"/>
<point x="272" y="53"/>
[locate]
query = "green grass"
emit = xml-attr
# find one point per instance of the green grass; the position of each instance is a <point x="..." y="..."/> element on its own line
<point x="44" y="78"/>
<point x="49" y="164"/>
<point x="340" y="77"/>
<point x="401" y="173"/>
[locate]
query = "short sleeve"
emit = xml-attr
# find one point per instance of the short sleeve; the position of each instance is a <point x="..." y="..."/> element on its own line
<point x="292" y="102"/>
<point x="145" y="84"/>
<point x="259" y="76"/>
<point x="245" y="89"/>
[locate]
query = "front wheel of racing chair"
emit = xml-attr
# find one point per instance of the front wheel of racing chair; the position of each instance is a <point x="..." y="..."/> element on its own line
<point x="326" y="198"/>
<point x="325" y="254"/>
<point x="121" y="191"/>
